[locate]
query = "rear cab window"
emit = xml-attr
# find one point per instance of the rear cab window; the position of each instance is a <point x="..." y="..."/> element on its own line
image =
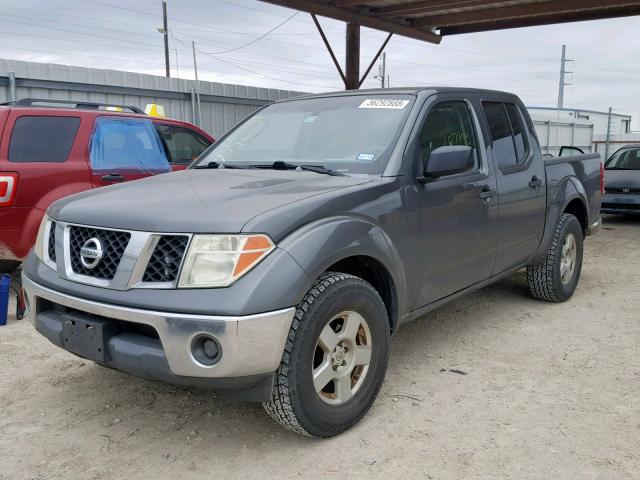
<point x="127" y="144"/>
<point x="38" y="139"/>
<point x="183" y="144"/>
<point x="506" y="126"/>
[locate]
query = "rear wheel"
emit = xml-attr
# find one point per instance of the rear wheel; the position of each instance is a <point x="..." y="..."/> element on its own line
<point x="556" y="277"/>
<point x="335" y="358"/>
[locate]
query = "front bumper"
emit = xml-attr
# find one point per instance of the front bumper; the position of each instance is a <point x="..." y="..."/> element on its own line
<point x="251" y="345"/>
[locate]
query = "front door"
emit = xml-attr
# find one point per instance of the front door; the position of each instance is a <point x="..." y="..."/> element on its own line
<point x="123" y="149"/>
<point x="452" y="219"/>
<point x="521" y="184"/>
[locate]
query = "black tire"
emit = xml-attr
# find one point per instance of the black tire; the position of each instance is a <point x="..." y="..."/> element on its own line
<point x="544" y="278"/>
<point x="295" y="404"/>
<point x="8" y="266"/>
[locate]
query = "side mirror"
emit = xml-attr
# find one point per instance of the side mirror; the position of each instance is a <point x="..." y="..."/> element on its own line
<point x="447" y="160"/>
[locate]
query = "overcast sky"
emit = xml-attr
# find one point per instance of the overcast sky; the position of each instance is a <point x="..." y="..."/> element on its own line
<point x="123" y="35"/>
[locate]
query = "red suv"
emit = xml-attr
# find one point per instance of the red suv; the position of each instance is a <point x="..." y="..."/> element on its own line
<point x="49" y="152"/>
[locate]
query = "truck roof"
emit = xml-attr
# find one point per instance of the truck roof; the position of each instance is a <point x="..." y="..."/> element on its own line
<point x="399" y="91"/>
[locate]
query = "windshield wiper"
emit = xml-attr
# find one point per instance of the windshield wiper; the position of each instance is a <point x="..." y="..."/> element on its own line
<point x="279" y="165"/>
<point x="218" y="165"/>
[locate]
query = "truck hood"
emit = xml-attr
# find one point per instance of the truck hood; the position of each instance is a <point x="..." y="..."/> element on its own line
<point x="622" y="178"/>
<point x="195" y="201"/>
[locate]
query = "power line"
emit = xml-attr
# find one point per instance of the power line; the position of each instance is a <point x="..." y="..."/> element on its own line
<point x="94" y="35"/>
<point x="236" y="65"/>
<point x="256" y="39"/>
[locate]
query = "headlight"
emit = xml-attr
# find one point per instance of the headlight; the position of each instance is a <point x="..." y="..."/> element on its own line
<point x="39" y="246"/>
<point x="219" y="260"/>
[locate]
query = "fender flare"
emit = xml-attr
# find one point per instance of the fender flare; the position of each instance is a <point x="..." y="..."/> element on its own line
<point x="564" y="192"/>
<point x="320" y="244"/>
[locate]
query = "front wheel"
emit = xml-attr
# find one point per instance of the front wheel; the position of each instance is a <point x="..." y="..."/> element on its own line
<point x="335" y="358"/>
<point x="556" y="277"/>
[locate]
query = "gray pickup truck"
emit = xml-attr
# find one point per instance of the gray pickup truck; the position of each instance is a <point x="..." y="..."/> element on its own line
<point x="279" y="265"/>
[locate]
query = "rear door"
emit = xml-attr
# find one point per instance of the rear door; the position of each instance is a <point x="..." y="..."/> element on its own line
<point x="125" y="148"/>
<point x="47" y="152"/>
<point x="44" y="152"/>
<point x="183" y="144"/>
<point x="521" y="181"/>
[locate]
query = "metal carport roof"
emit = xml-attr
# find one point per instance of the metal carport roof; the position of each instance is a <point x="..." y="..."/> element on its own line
<point x="431" y="20"/>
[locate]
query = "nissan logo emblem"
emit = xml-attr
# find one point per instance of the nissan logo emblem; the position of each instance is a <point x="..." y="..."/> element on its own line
<point x="91" y="253"/>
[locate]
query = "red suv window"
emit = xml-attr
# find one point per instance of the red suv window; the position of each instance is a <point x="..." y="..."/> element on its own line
<point x="184" y="145"/>
<point x="42" y="139"/>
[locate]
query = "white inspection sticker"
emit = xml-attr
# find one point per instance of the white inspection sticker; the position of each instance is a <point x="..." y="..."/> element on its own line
<point x="384" y="103"/>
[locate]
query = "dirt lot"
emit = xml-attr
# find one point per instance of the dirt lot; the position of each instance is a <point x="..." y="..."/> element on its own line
<point x="548" y="392"/>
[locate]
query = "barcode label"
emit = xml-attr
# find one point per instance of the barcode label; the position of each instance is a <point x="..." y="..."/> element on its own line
<point x="384" y="103"/>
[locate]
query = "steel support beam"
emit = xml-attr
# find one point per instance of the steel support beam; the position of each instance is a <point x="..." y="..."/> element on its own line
<point x="527" y="12"/>
<point x="330" y="50"/>
<point x="352" y="62"/>
<point x="353" y="16"/>
<point x="490" y="24"/>
<point x="414" y="8"/>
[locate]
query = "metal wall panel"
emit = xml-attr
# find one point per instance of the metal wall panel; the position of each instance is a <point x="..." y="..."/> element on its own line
<point x="223" y="105"/>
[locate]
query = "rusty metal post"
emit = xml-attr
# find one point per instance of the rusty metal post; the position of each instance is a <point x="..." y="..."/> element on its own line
<point x="352" y="63"/>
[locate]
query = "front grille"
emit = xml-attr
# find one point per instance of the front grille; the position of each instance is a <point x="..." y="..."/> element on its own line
<point x="165" y="261"/>
<point x="113" y="243"/>
<point x="51" y="244"/>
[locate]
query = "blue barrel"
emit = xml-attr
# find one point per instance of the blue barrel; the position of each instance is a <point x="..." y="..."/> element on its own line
<point x="5" y="283"/>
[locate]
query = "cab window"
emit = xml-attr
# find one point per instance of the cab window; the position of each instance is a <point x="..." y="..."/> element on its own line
<point x="447" y="124"/>
<point x="507" y="133"/>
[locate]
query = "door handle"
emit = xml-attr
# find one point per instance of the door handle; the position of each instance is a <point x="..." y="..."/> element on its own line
<point x="487" y="192"/>
<point x="535" y="182"/>
<point x="113" y="177"/>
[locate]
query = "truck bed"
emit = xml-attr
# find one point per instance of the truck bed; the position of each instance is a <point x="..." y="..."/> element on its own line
<point x="584" y="172"/>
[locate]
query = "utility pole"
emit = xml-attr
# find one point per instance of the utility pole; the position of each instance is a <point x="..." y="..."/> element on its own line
<point x="165" y="32"/>
<point x="606" y="148"/>
<point x="195" y="68"/>
<point x="382" y="71"/>
<point x="563" y="73"/>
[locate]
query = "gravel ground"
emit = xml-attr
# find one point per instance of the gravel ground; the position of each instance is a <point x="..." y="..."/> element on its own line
<point x="495" y="385"/>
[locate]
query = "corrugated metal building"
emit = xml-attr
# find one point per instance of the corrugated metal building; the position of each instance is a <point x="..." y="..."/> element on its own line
<point x="577" y="127"/>
<point x="553" y="135"/>
<point x="222" y="105"/>
<point x="620" y="123"/>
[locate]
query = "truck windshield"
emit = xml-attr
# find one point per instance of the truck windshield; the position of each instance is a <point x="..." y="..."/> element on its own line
<point x="625" y="160"/>
<point x="348" y="134"/>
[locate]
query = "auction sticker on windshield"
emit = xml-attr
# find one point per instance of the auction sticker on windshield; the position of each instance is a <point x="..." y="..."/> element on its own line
<point x="384" y="103"/>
